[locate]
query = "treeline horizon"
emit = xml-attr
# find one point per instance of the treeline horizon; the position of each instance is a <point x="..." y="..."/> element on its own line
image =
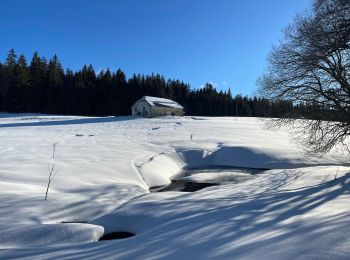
<point x="43" y="86"/>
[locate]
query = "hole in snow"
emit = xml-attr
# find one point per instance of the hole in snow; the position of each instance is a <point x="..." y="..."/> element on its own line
<point x="181" y="185"/>
<point x="74" y="222"/>
<point x="190" y="180"/>
<point x="117" y="235"/>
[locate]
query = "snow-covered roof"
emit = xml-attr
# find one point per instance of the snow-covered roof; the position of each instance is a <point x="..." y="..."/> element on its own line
<point x="160" y="102"/>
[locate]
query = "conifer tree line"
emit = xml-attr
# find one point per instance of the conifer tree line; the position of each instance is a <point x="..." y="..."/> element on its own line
<point x="43" y="86"/>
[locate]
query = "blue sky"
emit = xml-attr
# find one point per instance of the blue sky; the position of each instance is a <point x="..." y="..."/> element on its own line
<point x="221" y="41"/>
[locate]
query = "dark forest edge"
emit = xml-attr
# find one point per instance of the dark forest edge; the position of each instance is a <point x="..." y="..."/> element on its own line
<point x="45" y="87"/>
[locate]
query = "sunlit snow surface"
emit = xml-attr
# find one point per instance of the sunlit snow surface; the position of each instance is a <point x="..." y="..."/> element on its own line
<point x="217" y="177"/>
<point x="300" y="208"/>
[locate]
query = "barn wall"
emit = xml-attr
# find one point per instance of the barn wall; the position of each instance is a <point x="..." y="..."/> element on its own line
<point x="161" y="111"/>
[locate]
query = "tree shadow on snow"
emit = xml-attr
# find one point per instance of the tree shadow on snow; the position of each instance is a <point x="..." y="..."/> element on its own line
<point x="284" y="223"/>
<point x="93" y="120"/>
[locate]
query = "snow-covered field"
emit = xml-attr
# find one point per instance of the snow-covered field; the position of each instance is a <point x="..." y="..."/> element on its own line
<point x="299" y="209"/>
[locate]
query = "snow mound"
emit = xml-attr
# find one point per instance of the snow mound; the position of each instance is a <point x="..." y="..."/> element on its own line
<point x="51" y="234"/>
<point x="159" y="169"/>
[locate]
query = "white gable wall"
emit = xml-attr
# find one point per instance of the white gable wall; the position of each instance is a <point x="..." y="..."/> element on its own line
<point x="141" y="108"/>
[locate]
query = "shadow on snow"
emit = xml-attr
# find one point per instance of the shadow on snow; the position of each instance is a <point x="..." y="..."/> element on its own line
<point x="235" y="226"/>
<point x="93" y="120"/>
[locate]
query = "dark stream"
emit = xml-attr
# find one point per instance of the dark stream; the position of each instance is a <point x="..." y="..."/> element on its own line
<point x="221" y="175"/>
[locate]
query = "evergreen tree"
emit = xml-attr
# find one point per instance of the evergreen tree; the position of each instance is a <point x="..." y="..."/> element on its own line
<point x="38" y="70"/>
<point x="9" y="80"/>
<point x="19" y="94"/>
<point x="54" y="89"/>
<point x="69" y="93"/>
<point x="11" y="59"/>
<point x="45" y="87"/>
<point x="2" y="90"/>
<point x="121" y="93"/>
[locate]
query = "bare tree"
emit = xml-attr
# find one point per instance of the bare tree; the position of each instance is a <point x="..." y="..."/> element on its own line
<point x="51" y="170"/>
<point x="312" y="66"/>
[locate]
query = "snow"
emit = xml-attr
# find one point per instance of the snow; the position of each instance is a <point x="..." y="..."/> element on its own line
<point x="164" y="102"/>
<point x="159" y="169"/>
<point x="298" y="209"/>
<point x="47" y="235"/>
<point x="218" y="176"/>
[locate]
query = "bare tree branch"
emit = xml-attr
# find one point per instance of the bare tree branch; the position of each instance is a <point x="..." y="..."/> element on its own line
<point x="311" y="69"/>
